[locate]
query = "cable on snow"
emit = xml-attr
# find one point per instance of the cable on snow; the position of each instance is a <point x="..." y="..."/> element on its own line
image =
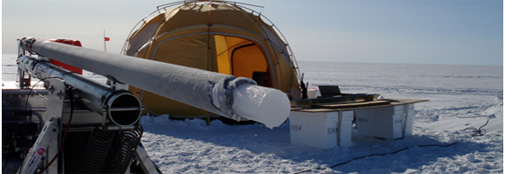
<point x="378" y="154"/>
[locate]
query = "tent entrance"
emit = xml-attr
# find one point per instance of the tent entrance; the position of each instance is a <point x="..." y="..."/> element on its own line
<point x="242" y="58"/>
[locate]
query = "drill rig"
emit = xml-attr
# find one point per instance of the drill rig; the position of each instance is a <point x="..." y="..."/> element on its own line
<point x="77" y="125"/>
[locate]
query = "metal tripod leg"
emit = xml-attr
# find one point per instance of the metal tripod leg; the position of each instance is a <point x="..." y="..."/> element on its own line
<point x="45" y="146"/>
<point x="145" y="162"/>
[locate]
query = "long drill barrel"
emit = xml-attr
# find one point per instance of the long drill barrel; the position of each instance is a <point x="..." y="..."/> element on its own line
<point x="120" y="106"/>
<point x="221" y="94"/>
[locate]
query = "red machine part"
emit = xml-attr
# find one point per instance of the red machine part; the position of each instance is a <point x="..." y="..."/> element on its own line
<point x="64" y="65"/>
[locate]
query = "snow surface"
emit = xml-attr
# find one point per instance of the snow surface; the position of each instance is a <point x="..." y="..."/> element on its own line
<point x="460" y="97"/>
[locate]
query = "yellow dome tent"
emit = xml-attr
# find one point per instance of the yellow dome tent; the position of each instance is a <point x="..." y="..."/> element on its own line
<point x="219" y="36"/>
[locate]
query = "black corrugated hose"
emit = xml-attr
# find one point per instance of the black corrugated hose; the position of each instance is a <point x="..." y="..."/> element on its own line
<point x="124" y="147"/>
<point x="97" y="149"/>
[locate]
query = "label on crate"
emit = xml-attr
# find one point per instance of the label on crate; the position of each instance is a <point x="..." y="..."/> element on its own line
<point x="296" y="128"/>
<point x="330" y="131"/>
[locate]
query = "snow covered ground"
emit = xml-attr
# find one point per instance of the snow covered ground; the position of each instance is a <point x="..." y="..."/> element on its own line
<point x="460" y="97"/>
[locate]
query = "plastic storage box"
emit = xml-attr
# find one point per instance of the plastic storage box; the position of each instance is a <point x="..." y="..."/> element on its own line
<point x="391" y="122"/>
<point x="321" y="129"/>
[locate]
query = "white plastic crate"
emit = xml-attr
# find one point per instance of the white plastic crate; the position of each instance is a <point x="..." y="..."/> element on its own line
<point x="391" y="122"/>
<point x="323" y="130"/>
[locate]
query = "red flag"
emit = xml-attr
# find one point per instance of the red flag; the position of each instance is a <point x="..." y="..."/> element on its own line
<point x="107" y="38"/>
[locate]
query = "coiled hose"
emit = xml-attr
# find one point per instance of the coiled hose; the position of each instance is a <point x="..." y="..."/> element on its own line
<point x="124" y="148"/>
<point x="97" y="149"/>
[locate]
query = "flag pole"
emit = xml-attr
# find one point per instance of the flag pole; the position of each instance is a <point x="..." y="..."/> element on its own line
<point x="104" y="42"/>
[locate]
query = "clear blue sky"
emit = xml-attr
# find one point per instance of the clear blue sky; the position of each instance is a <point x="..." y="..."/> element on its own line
<point x="390" y="31"/>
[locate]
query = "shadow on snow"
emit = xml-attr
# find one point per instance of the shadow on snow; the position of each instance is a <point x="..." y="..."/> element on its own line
<point x="258" y="139"/>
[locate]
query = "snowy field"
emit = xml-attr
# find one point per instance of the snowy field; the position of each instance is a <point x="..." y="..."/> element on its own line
<point x="460" y="97"/>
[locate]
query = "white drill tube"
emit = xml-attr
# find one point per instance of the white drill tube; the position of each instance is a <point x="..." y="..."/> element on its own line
<point x="210" y="91"/>
<point x="259" y="104"/>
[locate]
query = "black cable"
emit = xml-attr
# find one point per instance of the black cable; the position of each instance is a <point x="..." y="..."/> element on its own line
<point x="438" y="145"/>
<point x="479" y="131"/>
<point x="378" y="154"/>
<point x="477" y="116"/>
<point x="480" y="128"/>
<point x="97" y="150"/>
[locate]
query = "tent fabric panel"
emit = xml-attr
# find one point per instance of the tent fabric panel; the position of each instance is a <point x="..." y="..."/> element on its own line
<point x="276" y="42"/>
<point x="170" y="13"/>
<point x="203" y="29"/>
<point x="143" y="35"/>
<point x="234" y="42"/>
<point x="156" y="20"/>
<point x="230" y="30"/>
<point x="295" y="92"/>
<point x="188" y="51"/>
<point x="141" y="39"/>
<point x="247" y="59"/>
<point x="198" y="14"/>
<point x="186" y="15"/>
<point x="286" y="74"/>
<point x="236" y="18"/>
<point x="181" y="32"/>
<point x="223" y="55"/>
